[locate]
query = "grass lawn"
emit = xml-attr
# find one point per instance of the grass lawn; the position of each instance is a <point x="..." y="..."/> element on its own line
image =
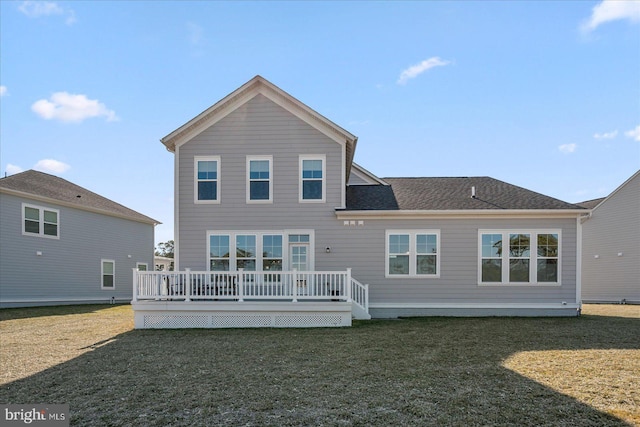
<point x="422" y="371"/>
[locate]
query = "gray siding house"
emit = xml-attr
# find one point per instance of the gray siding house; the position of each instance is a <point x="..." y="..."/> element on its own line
<point x="611" y="246"/>
<point x="63" y="244"/>
<point x="276" y="226"/>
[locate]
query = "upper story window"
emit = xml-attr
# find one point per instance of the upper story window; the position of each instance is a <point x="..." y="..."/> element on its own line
<point x="312" y="179"/>
<point x="39" y="221"/>
<point x="519" y="257"/>
<point x="259" y="182"/>
<point x="413" y="253"/>
<point x="207" y="179"/>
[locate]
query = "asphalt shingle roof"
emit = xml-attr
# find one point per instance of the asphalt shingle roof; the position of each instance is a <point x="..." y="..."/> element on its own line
<point x="448" y="194"/>
<point x="58" y="189"/>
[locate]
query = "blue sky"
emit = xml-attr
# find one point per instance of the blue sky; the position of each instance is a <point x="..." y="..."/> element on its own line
<point x="544" y="95"/>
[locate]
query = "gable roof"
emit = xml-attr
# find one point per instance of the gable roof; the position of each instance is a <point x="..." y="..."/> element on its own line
<point x="447" y="194"/>
<point x="602" y="200"/>
<point x="49" y="188"/>
<point x="590" y="204"/>
<point x="255" y="86"/>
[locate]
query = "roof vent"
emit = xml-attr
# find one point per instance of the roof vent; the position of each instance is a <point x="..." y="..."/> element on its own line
<point x="473" y="192"/>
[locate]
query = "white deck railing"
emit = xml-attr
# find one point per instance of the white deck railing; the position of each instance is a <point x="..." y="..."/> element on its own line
<point x="249" y="285"/>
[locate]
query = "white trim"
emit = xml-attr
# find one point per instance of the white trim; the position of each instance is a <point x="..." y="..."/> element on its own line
<point x="259" y="244"/>
<point x="533" y="258"/>
<point x="412" y="233"/>
<point x="176" y="208"/>
<point x="460" y="213"/>
<point x="216" y="159"/>
<point x="301" y="159"/>
<point x="365" y="175"/>
<point x="248" y="183"/>
<point x="578" y="259"/>
<point x="41" y="210"/>
<point x="558" y="305"/>
<point x="104" y="299"/>
<point x="108" y="288"/>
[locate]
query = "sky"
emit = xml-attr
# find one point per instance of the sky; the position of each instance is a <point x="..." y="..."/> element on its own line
<point x="543" y="95"/>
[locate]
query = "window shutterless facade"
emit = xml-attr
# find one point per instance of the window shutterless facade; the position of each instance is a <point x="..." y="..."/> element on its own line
<point x="414" y="253"/>
<point x="519" y="257"/>
<point x="108" y="274"/>
<point x="312" y="178"/>
<point x="259" y="179"/>
<point x="41" y="222"/>
<point x="207" y="179"/>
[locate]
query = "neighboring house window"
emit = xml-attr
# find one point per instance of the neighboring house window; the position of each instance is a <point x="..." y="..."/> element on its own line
<point x="207" y="179"/>
<point x="108" y="274"/>
<point x="39" y="221"/>
<point x="519" y="257"/>
<point x="259" y="182"/>
<point x="312" y="178"/>
<point x="219" y="252"/>
<point x="413" y="253"/>
<point x="141" y="266"/>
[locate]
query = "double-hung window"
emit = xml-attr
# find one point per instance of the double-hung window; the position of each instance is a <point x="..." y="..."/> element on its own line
<point x="519" y="257"/>
<point x="259" y="179"/>
<point x="207" y="179"/>
<point x="413" y="253"/>
<point x="108" y="273"/>
<point x="39" y="221"/>
<point x="312" y="179"/>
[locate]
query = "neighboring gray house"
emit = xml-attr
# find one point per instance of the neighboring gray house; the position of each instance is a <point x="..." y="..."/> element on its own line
<point x="276" y="226"/>
<point x="63" y="244"/>
<point x="611" y="246"/>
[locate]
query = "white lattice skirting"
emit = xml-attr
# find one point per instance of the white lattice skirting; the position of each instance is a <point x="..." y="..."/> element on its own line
<point x="179" y="315"/>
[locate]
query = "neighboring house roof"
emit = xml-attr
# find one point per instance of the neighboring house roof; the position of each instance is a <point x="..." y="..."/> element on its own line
<point x="590" y="204"/>
<point x="604" y="199"/>
<point x="42" y="186"/>
<point x="255" y="86"/>
<point x="429" y="194"/>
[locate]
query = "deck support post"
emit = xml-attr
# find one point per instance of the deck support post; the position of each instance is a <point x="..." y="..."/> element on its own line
<point x="187" y="285"/>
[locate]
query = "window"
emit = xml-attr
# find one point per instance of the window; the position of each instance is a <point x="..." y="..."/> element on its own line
<point x="108" y="274"/>
<point x="219" y="253"/>
<point x="519" y="257"/>
<point x="272" y="252"/>
<point x="141" y="266"/>
<point x="39" y="221"/>
<point x="413" y="253"/>
<point x="312" y="183"/>
<point x="246" y="252"/>
<point x="259" y="183"/>
<point x="207" y="179"/>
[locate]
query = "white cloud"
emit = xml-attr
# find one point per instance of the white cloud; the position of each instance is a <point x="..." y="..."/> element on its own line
<point x="13" y="169"/>
<point x="52" y="166"/>
<point x="3" y="90"/>
<point x="36" y="9"/>
<point x="68" y="107"/>
<point x="606" y="135"/>
<point x="415" y="70"/>
<point x="612" y="10"/>
<point x="567" y="148"/>
<point x="633" y="133"/>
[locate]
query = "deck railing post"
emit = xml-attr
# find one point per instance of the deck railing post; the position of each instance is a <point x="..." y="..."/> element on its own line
<point x="135" y="285"/>
<point x="187" y="285"/>
<point x="366" y="297"/>
<point x="240" y="281"/>
<point x="294" y="285"/>
<point x="348" y="285"/>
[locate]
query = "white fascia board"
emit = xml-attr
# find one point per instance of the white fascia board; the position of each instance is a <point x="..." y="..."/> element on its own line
<point x="74" y="206"/>
<point x="449" y="214"/>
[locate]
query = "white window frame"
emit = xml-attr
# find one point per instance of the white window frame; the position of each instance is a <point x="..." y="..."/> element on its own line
<point x="102" y="286"/>
<point x="138" y="264"/>
<point x="270" y="180"/>
<point x="259" y="246"/>
<point x="301" y="160"/>
<point x="218" y="180"/>
<point x="533" y="256"/>
<point x="41" y="221"/>
<point x="413" y="253"/>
